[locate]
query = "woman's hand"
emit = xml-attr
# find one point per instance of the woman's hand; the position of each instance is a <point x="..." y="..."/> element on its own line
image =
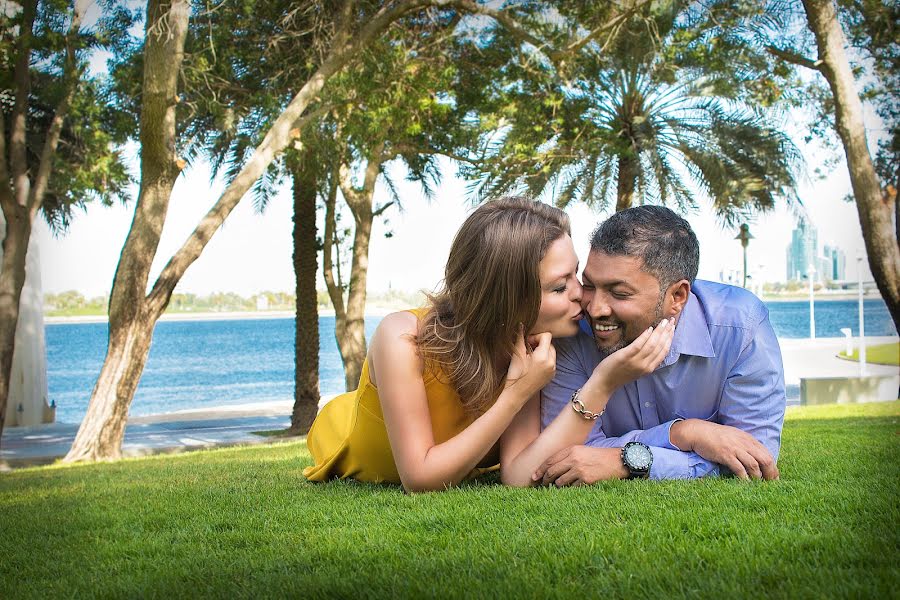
<point x="530" y="371"/>
<point x="640" y="357"/>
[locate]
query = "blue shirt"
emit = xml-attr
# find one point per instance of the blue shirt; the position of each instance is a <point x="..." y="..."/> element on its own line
<point x="724" y="366"/>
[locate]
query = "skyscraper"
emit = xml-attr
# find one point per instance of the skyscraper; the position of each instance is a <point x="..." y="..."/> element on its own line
<point x="837" y="263"/>
<point x="803" y="251"/>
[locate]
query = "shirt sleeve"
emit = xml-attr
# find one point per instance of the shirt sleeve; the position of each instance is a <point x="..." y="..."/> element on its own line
<point x="753" y="398"/>
<point x="669" y="461"/>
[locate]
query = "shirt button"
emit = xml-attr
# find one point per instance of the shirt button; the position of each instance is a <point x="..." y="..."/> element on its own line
<point x="647" y="404"/>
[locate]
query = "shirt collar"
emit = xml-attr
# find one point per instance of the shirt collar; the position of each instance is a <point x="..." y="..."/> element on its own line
<point x="691" y="333"/>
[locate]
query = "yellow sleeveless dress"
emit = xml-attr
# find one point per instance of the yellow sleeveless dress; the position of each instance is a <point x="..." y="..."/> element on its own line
<point x="348" y="438"/>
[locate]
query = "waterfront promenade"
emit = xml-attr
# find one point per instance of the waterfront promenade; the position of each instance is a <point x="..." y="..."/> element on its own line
<point x="235" y="425"/>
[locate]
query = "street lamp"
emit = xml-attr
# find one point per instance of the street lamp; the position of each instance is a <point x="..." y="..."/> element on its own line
<point x="810" y="274"/>
<point x="862" y="320"/>
<point x="745" y="238"/>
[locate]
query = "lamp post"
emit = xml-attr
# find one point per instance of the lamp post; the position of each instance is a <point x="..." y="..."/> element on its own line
<point x="862" y="320"/>
<point x="745" y="238"/>
<point x="810" y="274"/>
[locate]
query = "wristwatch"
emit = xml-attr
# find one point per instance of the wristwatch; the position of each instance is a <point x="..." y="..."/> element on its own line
<point x="637" y="458"/>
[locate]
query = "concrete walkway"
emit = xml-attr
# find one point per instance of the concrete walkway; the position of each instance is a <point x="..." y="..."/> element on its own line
<point x="175" y="432"/>
<point x="234" y="425"/>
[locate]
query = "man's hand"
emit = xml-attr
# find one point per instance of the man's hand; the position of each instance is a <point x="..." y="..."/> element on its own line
<point x="726" y="445"/>
<point x="581" y="465"/>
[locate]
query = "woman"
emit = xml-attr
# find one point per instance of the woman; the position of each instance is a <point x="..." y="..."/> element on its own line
<point x="441" y="385"/>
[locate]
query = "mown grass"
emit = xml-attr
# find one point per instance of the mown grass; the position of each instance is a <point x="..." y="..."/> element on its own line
<point x="244" y="523"/>
<point x="880" y="354"/>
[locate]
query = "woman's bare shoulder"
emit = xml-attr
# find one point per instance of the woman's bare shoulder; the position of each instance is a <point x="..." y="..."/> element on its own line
<point x="398" y="324"/>
<point x="394" y="345"/>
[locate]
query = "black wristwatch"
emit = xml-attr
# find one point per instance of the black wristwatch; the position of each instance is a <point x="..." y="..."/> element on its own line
<point x="637" y="458"/>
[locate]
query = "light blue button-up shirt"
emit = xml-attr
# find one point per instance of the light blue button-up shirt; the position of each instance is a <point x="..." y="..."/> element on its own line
<point x="724" y="366"/>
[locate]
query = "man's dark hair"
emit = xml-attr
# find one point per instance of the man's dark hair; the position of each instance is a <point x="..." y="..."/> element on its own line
<point x="657" y="235"/>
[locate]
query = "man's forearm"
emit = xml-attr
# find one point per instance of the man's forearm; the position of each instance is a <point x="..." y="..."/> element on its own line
<point x="725" y="445"/>
<point x="680" y="435"/>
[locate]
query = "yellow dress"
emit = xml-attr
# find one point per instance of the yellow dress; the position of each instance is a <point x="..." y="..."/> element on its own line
<point x="348" y="439"/>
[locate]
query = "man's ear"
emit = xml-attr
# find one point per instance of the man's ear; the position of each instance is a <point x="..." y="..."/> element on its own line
<point x="677" y="296"/>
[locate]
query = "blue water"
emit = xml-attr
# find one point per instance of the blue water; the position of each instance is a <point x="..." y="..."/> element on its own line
<point x="201" y="364"/>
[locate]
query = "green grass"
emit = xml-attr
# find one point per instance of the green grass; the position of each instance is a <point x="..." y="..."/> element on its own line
<point x="881" y="354"/>
<point x="244" y="523"/>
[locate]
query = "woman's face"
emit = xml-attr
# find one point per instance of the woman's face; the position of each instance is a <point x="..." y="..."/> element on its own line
<point x="560" y="291"/>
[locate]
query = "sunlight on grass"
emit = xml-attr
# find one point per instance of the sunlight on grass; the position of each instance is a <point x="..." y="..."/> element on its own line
<point x="880" y="354"/>
<point x="243" y="522"/>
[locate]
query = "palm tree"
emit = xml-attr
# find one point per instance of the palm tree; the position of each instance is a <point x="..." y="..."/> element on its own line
<point x="640" y="120"/>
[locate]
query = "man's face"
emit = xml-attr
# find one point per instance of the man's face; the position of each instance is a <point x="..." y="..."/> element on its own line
<point x="620" y="300"/>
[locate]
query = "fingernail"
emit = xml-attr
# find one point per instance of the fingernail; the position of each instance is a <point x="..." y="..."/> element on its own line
<point x="534" y="477"/>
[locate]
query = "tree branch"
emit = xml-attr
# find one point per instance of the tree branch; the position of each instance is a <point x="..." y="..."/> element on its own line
<point x="401" y="149"/>
<point x="18" y="148"/>
<point x="334" y="289"/>
<point x="522" y="34"/>
<point x="794" y="58"/>
<point x="380" y="211"/>
<point x="577" y="45"/>
<point x="7" y="198"/>
<point x="346" y="184"/>
<point x="509" y="23"/>
<point x="70" y="77"/>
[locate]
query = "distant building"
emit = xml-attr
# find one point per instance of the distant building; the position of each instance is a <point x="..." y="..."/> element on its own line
<point x="836" y="262"/>
<point x="802" y="251"/>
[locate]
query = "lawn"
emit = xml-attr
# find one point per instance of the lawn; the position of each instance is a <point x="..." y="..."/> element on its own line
<point x="244" y="523"/>
<point x="881" y="354"/>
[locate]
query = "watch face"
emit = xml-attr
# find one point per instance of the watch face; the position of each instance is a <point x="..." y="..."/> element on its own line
<point x="638" y="456"/>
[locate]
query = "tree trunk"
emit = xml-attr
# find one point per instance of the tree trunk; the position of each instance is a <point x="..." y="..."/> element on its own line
<point x="350" y="328"/>
<point x="15" y="247"/>
<point x="352" y="337"/>
<point x="875" y="208"/>
<point x="306" y="320"/>
<point x="627" y="176"/>
<point x="132" y="316"/>
<point x="103" y="428"/>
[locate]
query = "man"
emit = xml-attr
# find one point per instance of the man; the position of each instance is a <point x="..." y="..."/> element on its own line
<point x="715" y="404"/>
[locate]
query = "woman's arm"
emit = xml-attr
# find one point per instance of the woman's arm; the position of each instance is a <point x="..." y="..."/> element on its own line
<point x="524" y="447"/>
<point x="398" y="369"/>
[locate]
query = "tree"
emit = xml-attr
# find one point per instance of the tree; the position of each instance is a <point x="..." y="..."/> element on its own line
<point x="666" y="99"/>
<point x="877" y="207"/>
<point x="56" y="149"/>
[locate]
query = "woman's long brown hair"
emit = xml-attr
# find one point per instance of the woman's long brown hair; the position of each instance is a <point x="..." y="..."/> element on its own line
<point x="491" y="285"/>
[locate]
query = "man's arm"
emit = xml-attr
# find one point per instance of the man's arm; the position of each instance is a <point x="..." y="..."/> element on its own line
<point x="574" y="366"/>
<point x="747" y="434"/>
<point x="746" y="437"/>
<point x="669" y="461"/>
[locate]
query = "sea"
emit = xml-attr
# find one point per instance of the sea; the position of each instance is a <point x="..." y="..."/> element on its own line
<point x="211" y="363"/>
